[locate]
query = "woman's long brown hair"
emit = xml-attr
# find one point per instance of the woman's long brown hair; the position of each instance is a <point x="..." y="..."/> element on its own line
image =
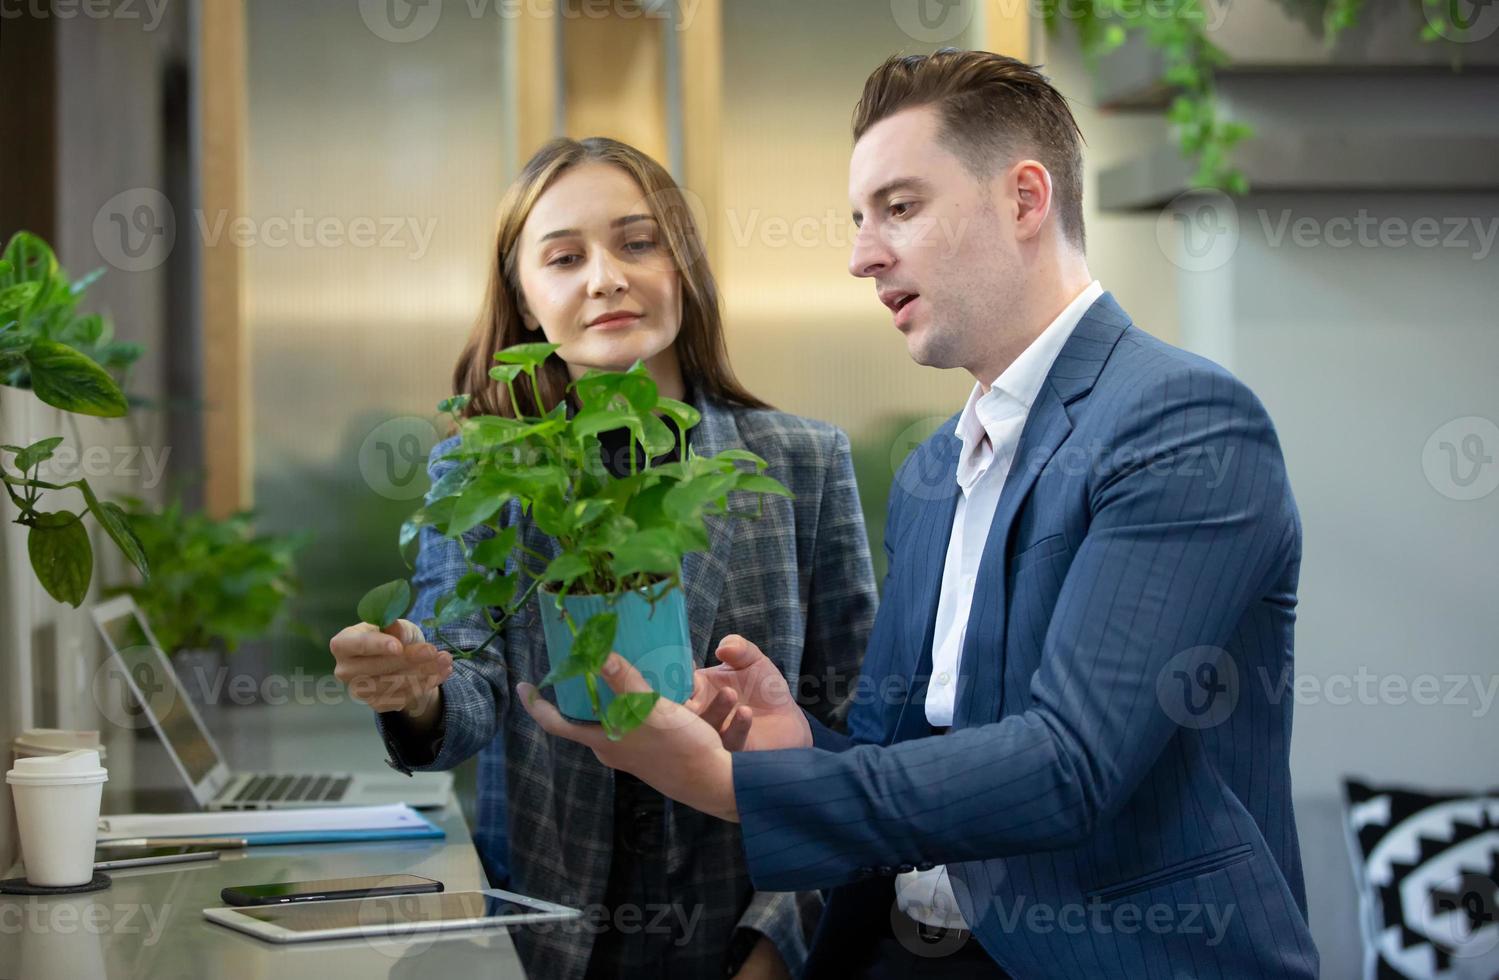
<point x="700" y="347"/>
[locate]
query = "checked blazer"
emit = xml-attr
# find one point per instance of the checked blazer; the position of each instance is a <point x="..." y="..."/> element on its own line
<point x="798" y="582"/>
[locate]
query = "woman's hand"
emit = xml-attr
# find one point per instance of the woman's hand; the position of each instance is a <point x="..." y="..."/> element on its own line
<point x="394" y="669"/>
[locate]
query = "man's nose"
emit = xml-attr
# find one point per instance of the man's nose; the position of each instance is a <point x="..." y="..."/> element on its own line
<point x="871" y="256"/>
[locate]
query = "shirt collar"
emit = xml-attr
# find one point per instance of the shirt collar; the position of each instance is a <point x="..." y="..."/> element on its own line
<point x="1015" y="391"/>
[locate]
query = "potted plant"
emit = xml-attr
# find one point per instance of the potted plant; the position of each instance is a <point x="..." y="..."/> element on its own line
<point x="616" y="585"/>
<point x="63" y="358"/>
<point x="214" y="583"/>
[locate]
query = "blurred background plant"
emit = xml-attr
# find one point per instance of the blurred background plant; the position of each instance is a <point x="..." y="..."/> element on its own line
<point x="1190" y="61"/>
<point x="214" y="583"/>
<point x="65" y="358"/>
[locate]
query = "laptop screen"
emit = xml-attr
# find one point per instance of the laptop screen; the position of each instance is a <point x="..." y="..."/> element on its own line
<point x="165" y="700"/>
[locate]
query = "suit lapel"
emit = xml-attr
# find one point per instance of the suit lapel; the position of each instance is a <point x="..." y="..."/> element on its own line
<point x="932" y="476"/>
<point x="1071" y="377"/>
<point x="704" y="573"/>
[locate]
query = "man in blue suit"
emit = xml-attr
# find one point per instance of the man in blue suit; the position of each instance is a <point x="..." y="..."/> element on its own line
<point x="1060" y="762"/>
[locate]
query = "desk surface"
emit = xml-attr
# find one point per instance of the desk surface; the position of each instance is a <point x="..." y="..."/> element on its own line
<point x="149" y="923"/>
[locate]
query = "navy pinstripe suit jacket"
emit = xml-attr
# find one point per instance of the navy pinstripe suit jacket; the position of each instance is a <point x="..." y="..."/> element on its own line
<point x="1114" y="796"/>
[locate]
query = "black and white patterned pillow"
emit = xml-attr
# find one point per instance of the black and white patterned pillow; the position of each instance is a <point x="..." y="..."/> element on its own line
<point x="1427" y="869"/>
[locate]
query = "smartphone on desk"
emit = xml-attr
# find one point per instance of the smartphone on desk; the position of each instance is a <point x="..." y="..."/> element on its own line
<point x="369" y="886"/>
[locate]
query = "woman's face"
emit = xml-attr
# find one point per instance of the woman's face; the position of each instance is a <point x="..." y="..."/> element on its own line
<point x="596" y="276"/>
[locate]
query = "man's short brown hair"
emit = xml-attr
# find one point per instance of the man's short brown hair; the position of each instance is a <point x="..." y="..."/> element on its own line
<point x="993" y="110"/>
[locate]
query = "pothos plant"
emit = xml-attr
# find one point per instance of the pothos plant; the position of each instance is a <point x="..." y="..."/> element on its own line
<point x="616" y="534"/>
<point x="64" y="358"/>
<point x="1179" y="30"/>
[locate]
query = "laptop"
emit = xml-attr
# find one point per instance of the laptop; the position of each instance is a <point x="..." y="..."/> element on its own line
<point x="164" y="702"/>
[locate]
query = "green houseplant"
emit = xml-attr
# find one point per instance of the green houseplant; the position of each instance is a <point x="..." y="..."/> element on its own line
<point x="622" y="539"/>
<point x="214" y="583"/>
<point x="64" y="358"/>
<point x="1179" y="31"/>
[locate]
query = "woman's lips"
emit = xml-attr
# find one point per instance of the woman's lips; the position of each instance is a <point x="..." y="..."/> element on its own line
<point x="616" y="322"/>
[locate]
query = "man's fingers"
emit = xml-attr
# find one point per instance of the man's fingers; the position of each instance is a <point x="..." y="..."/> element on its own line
<point x="720" y="707"/>
<point x="737" y="652"/>
<point x="736" y="733"/>
<point x="546" y="715"/>
<point x="623" y="678"/>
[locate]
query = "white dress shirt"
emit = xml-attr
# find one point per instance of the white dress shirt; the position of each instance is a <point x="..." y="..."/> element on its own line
<point x="989" y="429"/>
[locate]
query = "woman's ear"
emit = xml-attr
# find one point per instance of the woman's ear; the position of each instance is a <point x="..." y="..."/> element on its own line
<point x="527" y="318"/>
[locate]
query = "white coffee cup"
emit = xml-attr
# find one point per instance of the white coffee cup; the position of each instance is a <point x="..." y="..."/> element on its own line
<point x="57" y="814"/>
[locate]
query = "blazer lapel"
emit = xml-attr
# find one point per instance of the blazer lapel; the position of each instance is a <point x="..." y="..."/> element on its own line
<point x="934" y="478"/>
<point x="1071" y="377"/>
<point x="704" y="573"/>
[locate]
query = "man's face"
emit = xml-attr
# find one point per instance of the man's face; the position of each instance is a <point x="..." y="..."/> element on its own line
<point x="933" y="238"/>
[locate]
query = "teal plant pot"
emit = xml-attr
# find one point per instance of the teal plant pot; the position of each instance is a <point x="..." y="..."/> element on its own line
<point x="655" y="640"/>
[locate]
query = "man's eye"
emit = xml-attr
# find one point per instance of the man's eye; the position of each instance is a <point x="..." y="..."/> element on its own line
<point x="901" y="209"/>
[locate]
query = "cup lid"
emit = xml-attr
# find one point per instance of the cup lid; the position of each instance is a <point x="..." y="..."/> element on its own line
<point x="78" y="766"/>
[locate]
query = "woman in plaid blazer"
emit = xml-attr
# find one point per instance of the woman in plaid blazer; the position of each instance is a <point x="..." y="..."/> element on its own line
<point x="597" y="251"/>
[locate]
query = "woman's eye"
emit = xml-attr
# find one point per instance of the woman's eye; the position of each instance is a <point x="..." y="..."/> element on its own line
<point x="564" y="260"/>
<point x="641" y="246"/>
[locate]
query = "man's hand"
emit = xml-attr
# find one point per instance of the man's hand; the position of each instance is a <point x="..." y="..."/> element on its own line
<point x="746" y="700"/>
<point x="673" y="750"/>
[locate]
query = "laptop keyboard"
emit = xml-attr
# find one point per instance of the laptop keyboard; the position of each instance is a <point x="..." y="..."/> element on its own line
<point x="303" y="788"/>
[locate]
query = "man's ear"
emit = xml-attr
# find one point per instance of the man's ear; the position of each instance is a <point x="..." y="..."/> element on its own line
<point x="1030" y="184"/>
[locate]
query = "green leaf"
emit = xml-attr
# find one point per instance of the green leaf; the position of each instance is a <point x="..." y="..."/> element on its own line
<point x="476" y="505"/>
<point x="591" y="422"/>
<point x="61" y="556"/>
<point x="528" y="356"/>
<point x="595" y="640"/>
<point x="66" y="379"/>
<point x="117" y="525"/>
<point x="13" y="298"/>
<point x="652" y="551"/>
<point x="755" y="483"/>
<point x="565" y="568"/>
<point x="680" y="412"/>
<point x="495" y="551"/>
<point x="628" y="712"/>
<point x="689" y="498"/>
<point x="569" y="668"/>
<point x="506" y="373"/>
<point x="657" y="436"/>
<point x="36" y="453"/>
<point x="384" y="604"/>
<point x="454" y="403"/>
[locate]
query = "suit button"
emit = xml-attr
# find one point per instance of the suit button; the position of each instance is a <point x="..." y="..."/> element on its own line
<point x="865" y="871"/>
<point x="925" y="866"/>
<point x="885" y="870"/>
<point x="906" y="868"/>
